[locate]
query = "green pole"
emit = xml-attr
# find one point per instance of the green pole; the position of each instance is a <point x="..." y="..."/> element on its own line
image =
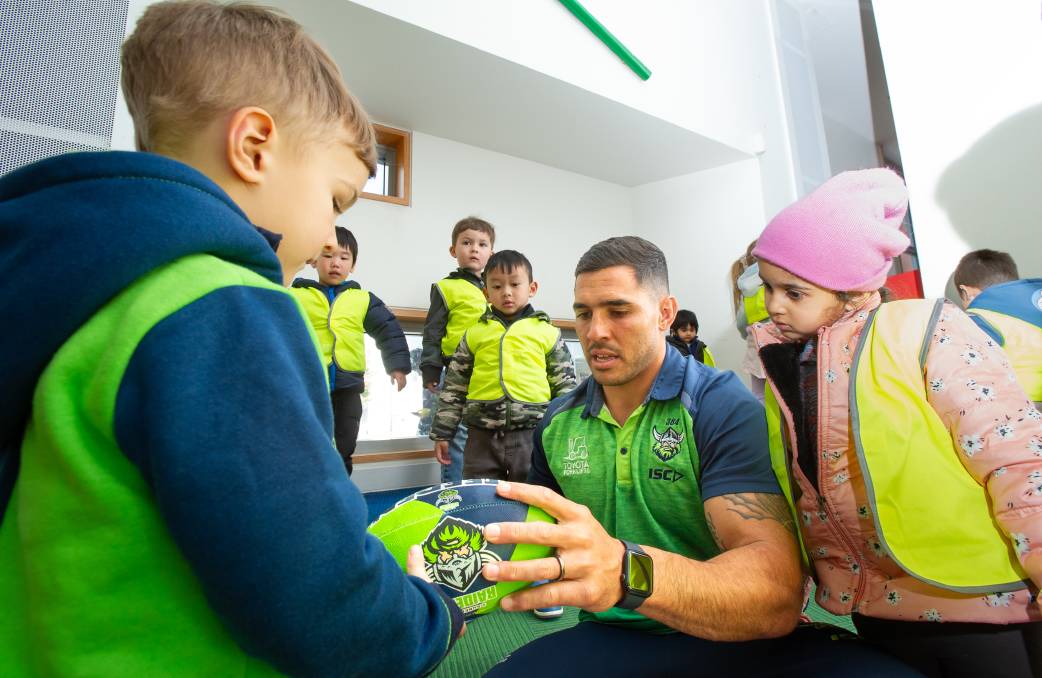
<point x="605" y="36"/>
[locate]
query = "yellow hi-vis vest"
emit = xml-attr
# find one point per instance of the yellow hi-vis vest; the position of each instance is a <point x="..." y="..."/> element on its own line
<point x="340" y="327"/>
<point x="1022" y="343"/>
<point x="511" y="361"/>
<point x="755" y="307"/>
<point x="466" y="304"/>
<point x="707" y="357"/>
<point x="932" y="517"/>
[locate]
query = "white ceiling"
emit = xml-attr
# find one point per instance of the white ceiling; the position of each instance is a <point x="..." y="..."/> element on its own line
<point x="409" y="77"/>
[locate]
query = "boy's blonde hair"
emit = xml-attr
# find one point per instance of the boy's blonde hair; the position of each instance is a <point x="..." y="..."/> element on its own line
<point x="189" y="61"/>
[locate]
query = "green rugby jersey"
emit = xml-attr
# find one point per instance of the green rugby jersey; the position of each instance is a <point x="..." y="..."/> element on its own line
<point x="699" y="434"/>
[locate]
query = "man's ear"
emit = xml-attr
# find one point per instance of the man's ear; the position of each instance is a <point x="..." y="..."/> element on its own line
<point x="667" y="312"/>
<point x="249" y="142"/>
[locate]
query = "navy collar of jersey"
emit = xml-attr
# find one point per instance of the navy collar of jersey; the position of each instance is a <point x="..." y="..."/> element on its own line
<point x="667" y="385"/>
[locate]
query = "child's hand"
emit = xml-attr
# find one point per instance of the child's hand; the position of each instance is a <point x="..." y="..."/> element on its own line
<point x="441" y="452"/>
<point x="431" y="386"/>
<point x="398" y="377"/>
<point x="414" y="566"/>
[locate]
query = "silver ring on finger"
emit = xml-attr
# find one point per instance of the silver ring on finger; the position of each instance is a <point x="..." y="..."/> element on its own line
<point x="560" y="563"/>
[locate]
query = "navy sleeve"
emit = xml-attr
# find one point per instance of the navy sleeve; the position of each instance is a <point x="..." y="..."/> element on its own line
<point x="225" y="411"/>
<point x="383" y="327"/>
<point x="731" y="437"/>
<point x="431" y="360"/>
<point x="539" y="472"/>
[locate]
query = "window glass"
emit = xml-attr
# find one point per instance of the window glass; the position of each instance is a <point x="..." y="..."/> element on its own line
<point x="386" y="413"/>
<point x="390" y="415"/>
<point x="385" y="181"/>
<point x="582" y="368"/>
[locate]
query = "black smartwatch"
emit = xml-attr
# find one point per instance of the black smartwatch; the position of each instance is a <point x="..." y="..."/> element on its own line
<point x="638" y="576"/>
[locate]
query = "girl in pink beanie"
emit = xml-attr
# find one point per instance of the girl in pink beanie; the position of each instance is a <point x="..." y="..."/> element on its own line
<point x="910" y="455"/>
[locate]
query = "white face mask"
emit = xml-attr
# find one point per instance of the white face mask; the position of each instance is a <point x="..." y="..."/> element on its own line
<point x="749" y="281"/>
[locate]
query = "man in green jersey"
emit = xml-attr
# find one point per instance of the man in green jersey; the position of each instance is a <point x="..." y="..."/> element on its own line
<point x="672" y="531"/>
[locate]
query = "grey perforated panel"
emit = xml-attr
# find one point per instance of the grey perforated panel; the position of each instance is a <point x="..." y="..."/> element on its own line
<point x="59" y="74"/>
<point x="22" y="149"/>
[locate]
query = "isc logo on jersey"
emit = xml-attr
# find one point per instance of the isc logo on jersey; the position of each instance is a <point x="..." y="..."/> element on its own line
<point x="666" y="474"/>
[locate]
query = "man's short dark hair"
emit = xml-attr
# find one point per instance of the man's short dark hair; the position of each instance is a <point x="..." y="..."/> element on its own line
<point x="346" y="239"/>
<point x="984" y="268"/>
<point x="647" y="261"/>
<point x="685" y="318"/>
<point x="506" y="261"/>
<point x="474" y="224"/>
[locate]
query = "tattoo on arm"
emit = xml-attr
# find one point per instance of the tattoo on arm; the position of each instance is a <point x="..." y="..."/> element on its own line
<point x="716" y="536"/>
<point x="756" y="506"/>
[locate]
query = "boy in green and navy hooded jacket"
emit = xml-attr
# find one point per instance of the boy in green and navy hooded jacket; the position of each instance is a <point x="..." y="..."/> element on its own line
<point x="170" y="498"/>
<point x="341" y="312"/>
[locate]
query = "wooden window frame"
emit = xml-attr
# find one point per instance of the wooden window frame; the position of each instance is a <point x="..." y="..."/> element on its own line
<point x="401" y="140"/>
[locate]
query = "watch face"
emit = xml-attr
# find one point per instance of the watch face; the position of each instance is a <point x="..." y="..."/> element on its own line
<point x="640" y="573"/>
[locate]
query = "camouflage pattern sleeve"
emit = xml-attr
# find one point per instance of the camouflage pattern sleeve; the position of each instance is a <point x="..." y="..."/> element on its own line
<point x="453" y="395"/>
<point x="560" y="370"/>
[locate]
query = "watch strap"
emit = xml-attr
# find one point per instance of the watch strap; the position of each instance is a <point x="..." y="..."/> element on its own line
<point x="631" y="598"/>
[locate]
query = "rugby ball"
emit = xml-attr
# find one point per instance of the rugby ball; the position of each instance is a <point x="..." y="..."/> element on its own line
<point x="448" y="522"/>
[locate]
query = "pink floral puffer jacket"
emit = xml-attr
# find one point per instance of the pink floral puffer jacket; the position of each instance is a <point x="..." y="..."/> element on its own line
<point x="995" y="430"/>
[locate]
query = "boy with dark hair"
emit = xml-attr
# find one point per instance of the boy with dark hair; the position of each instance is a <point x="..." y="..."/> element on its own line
<point x="502" y="376"/>
<point x="457" y="302"/>
<point x="1007" y="309"/>
<point x="981" y="269"/>
<point x="341" y="312"/>
<point x="683" y="336"/>
<point x="170" y="498"/>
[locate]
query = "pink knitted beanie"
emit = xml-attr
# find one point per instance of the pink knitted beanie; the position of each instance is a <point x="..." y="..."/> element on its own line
<point x="842" y="236"/>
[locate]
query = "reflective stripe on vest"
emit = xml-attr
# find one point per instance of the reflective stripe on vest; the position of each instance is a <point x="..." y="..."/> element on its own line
<point x="780" y="460"/>
<point x="755" y="306"/>
<point x="466" y="304"/>
<point x="511" y="361"/>
<point x="339" y="328"/>
<point x="1022" y="342"/>
<point x="932" y="517"/>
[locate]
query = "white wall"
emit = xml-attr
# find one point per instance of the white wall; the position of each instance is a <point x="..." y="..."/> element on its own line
<point x="550" y="215"/>
<point x="967" y="102"/>
<point x="713" y="63"/>
<point x="703" y="222"/>
<point x="848" y="149"/>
